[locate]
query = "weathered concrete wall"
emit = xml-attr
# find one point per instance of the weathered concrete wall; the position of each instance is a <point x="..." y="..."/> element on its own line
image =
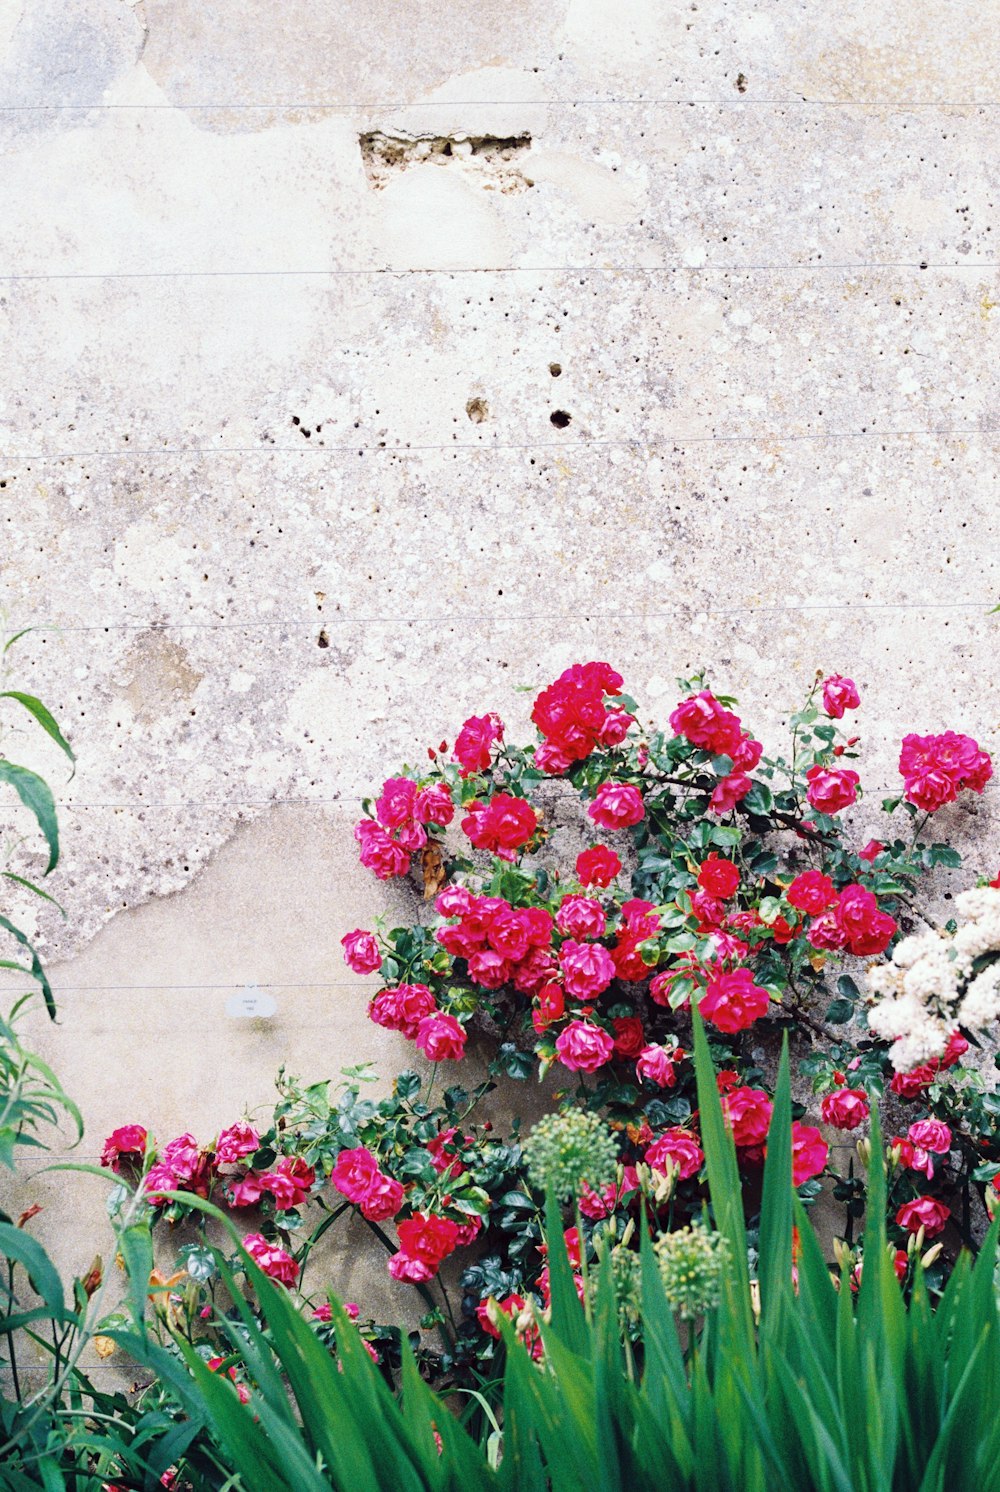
<point x="289" y="301"/>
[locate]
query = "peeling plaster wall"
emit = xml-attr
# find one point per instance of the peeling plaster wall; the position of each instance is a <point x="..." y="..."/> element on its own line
<point x="288" y="484"/>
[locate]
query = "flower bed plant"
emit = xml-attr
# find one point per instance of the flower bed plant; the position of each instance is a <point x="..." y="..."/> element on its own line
<point x="710" y="872"/>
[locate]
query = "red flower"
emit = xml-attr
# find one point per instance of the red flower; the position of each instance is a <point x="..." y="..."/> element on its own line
<point x="361" y="952"/>
<point x="678" y="1146"/>
<point x="930" y="1134"/>
<point x="935" y="769"/>
<point x="839" y="694"/>
<point x="424" y="1240"/>
<point x="748" y="1111"/>
<point x="811" y="892"/>
<point x="733" y="1002"/>
<point x="126" y="1143"/>
<point x="597" y="866"/>
<point x="441" y="1038"/>
<point x="271" y="1259"/>
<point x="617" y="806"/>
<point x="845" y="1108"/>
<point x="831" y="788"/>
<point x="503" y="825"/>
<point x="656" y="1064"/>
<point x="729" y="791"/>
<point x="581" y="917"/>
<point x="583" y="1047"/>
<point x="718" y="877"/>
<point x="809" y="1153"/>
<point x="629" y="1036"/>
<point x="705" y="723"/>
<point x="924" y="1212"/>
<point x="477" y="736"/>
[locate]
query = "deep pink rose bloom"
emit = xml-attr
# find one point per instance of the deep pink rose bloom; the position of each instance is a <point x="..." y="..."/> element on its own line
<point x="617" y="806"/>
<point x="380" y="854"/>
<point x="444" y="1152"/>
<point x="248" y="1191"/>
<point x="705" y="723"/>
<point x="868" y="930"/>
<point x="126" y="1143"/>
<point x="441" y="1038"/>
<point x="354" y="1173"/>
<point x="679" y="1146"/>
<point x="924" y="1212"/>
<point x="424" y="1240"/>
<point x="159" y="1179"/>
<point x="274" y="1261"/>
<point x="434" y="805"/>
<point x="827" y="932"/>
<point x="290" y="1182"/>
<point x="597" y="866"/>
<point x="733" y="1002"/>
<point x="538" y="921"/>
<point x="809" y="1153"/>
<point x="454" y="901"/>
<point x="911" y="1084"/>
<point x="729" y="791"/>
<point x="845" y="1108"/>
<point x="832" y="788"/>
<point x="468" y="1232"/>
<point x="811" y="892"/>
<point x="956" y="1048"/>
<point x="583" y="1047"/>
<point x="532" y="972"/>
<point x="601" y="1204"/>
<point x="614" y="728"/>
<point x="361" y="952"/>
<point x="587" y="968"/>
<point x="551" y="1005"/>
<point x="709" y="911"/>
<point x="394" y="805"/>
<point x="552" y="759"/>
<point x="581" y="917"/>
<point x="511" y="1307"/>
<point x="930" y="1134"/>
<point x="403" y="1008"/>
<point x="503" y="825"/>
<point x="747" y="754"/>
<point x="488" y="969"/>
<point x="509" y="933"/>
<point x="236" y="1142"/>
<point x="718" y="877"/>
<point x="935" y="769"/>
<point x="383" y="1199"/>
<point x="871" y="851"/>
<point x="839" y="694"/>
<point x="655" y="1064"/>
<point x="748" y="1111"/>
<point x="477" y="736"/>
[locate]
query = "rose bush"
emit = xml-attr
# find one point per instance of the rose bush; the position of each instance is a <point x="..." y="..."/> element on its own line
<point x="712" y="873"/>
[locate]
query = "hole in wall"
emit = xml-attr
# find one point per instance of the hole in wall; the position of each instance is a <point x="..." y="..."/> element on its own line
<point x="560" y="418"/>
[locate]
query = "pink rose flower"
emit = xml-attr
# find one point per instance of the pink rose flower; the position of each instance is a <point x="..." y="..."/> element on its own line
<point x="839" y="694"/>
<point x="924" y="1212"/>
<point x="488" y="969"/>
<point x="434" y="805"/>
<point x="705" y="723"/>
<point x="503" y="825"/>
<point x="587" y="969"/>
<point x="617" y="805"/>
<point x="402" y="1009"/>
<point x="475" y="740"/>
<point x="581" y="917"/>
<point x="845" y="1108"/>
<point x="935" y="769"/>
<point x="811" y="892"/>
<point x="680" y="1147"/>
<point x="729" y="791"/>
<point x="748" y="1111"/>
<point x="871" y="851"/>
<point x="235" y="1143"/>
<point x="930" y="1134"/>
<point x="629" y="1036"/>
<point x="126" y="1143"/>
<point x="441" y="1038"/>
<point x="809" y="1153"/>
<point x="380" y="854"/>
<point x="394" y="805"/>
<point x="424" y="1241"/>
<point x="274" y="1261"/>
<point x="583" y="1047"/>
<point x="597" y="1205"/>
<point x="361" y="952"/>
<point x="831" y="788"/>
<point x="597" y="866"/>
<point x="733" y="1002"/>
<point x="655" y="1064"/>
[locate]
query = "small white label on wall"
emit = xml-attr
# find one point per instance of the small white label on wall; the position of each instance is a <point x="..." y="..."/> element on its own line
<point x="251" y="1003"/>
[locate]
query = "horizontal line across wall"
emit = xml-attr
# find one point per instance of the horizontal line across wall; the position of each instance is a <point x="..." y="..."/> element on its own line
<point x="506" y="269"/>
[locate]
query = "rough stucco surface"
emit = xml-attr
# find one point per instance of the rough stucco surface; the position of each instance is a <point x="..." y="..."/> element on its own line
<point x="281" y="489"/>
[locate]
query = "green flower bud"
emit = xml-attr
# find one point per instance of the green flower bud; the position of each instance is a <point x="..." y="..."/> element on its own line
<point x="692" y="1262"/>
<point x="568" y="1150"/>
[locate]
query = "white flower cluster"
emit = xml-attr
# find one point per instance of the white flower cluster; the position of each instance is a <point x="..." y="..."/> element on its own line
<point x="931" y="986"/>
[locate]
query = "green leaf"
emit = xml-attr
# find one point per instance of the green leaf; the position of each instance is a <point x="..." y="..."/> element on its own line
<point x="30" y="886"/>
<point x="839" y="1012"/>
<point x="35" y="793"/>
<point x="27" y="1251"/>
<point x="36" y="971"/>
<point x="45" y="719"/>
<point x="759" y="799"/>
